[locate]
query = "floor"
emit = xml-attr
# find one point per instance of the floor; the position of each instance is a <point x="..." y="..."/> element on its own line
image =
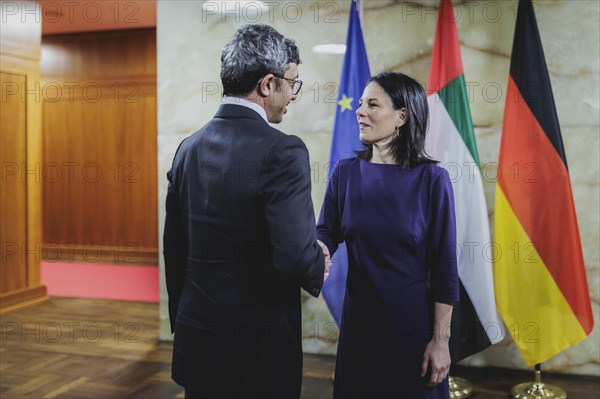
<point x="90" y="348"/>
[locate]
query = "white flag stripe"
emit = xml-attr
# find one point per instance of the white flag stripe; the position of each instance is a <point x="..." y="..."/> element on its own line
<point x="445" y="144"/>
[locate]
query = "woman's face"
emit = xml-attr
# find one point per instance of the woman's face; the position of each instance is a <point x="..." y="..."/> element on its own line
<point x="377" y="117"/>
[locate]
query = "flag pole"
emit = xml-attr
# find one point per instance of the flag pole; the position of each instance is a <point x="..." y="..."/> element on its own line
<point x="460" y="388"/>
<point x="353" y="79"/>
<point x="446" y="57"/>
<point x="360" y="5"/>
<point x="537" y="389"/>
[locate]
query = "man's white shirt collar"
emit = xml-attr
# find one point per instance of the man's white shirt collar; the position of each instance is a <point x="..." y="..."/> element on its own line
<point x="248" y="104"/>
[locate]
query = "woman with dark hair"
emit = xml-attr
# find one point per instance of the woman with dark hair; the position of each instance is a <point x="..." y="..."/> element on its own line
<point x="394" y="208"/>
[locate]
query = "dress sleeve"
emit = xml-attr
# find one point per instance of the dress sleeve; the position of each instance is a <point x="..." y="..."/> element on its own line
<point x="442" y="249"/>
<point x="329" y="226"/>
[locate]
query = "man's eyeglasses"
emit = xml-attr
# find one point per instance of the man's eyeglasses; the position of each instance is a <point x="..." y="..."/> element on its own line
<point x="296" y="84"/>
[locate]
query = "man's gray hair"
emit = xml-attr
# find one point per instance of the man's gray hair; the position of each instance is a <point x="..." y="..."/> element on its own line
<point x="254" y="51"/>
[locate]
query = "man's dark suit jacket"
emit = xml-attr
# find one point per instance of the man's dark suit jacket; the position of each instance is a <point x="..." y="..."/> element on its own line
<point x="239" y="242"/>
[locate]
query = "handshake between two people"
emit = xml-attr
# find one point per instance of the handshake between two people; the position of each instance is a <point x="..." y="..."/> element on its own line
<point x="327" y="258"/>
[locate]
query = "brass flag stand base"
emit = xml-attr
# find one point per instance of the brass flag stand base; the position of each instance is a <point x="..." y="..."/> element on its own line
<point x="537" y="389"/>
<point x="459" y="388"/>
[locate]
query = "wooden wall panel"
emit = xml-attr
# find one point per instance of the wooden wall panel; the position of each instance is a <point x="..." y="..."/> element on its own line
<point x="100" y="161"/>
<point x="13" y="211"/>
<point x="20" y="156"/>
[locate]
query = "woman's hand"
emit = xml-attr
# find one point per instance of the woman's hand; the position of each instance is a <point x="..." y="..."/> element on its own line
<point x="436" y="356"/>
<point x="327" y="258"/>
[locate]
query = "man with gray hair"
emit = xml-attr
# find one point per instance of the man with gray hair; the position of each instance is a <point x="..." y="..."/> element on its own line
<point x="239" y="237"/>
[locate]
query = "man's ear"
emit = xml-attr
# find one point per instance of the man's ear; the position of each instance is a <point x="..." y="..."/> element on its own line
<point x="266" y="85"/>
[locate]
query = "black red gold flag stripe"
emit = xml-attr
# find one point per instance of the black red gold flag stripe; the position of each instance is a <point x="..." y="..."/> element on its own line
<point x="539" y="272"/>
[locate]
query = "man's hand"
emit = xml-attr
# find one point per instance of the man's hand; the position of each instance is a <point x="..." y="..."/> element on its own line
<point x="327" y="257"/>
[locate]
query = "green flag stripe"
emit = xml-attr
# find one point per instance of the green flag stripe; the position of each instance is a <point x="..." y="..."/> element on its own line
<point x="455" y="99"/>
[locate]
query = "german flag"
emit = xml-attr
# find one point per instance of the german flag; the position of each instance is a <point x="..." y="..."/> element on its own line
<point x="539" y="273"/>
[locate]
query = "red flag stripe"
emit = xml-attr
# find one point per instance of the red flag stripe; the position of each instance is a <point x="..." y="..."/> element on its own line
<point x="529" y="72"/>
<point x="446" y="63"/>
<point x="537" y="185"/>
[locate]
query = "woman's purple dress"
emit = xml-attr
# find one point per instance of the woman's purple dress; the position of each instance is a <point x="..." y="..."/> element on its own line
<point x="399" y="228"/>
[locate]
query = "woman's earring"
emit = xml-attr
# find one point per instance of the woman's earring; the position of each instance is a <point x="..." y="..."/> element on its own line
<point x="396" y="132"/>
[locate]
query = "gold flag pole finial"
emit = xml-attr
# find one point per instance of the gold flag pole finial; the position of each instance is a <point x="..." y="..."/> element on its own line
<point x="537" y="389"/>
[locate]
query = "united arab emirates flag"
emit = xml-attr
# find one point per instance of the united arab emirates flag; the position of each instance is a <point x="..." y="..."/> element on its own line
<point x="541" y="286"/>
<point x="451" y="140"/>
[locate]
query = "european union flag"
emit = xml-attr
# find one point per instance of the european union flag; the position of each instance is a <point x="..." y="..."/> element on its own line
<point x="355" y="74"/>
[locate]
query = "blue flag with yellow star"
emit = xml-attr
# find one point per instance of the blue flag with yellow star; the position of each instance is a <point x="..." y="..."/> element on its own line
<point x="355" y="74"/>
